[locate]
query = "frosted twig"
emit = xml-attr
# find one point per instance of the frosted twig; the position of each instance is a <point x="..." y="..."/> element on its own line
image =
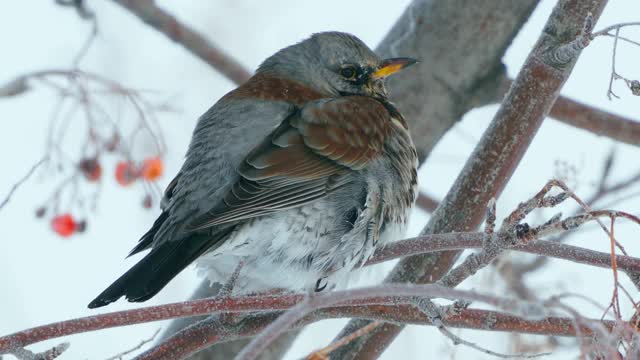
<point x="137" y="347"/>
<point x="514" y="273"/>
<point x="614" y="74"/>
<point x="438" y="318"/>
<point x="596" y="214"/>
<point x="566" y="53"/>
<point x="608" y="29"/>
<point x="633" y="85"/>
<point x="632" y="42"/>
<point x="458" y="340"/>
<point x="511" y="234"/>
<point x="51" y="354"/>
<point x="460" y="241"/>
<point x="312" y="303"/>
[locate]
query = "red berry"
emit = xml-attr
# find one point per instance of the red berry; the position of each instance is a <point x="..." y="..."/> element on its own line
<point x="91" y="169"/>
<point x="152" y="168"/>
<point x="125" y="173"/>
<point x="64" y="225"/>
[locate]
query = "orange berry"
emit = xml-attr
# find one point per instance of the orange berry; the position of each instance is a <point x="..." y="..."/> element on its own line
<point x="64" y="225"/>
<point x="152" y="168"/>
<point x="91" y="169"/>
<point x="125" y="173"/>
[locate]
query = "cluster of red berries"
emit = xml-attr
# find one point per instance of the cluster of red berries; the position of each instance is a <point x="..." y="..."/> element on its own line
<point x="126" y="173"/>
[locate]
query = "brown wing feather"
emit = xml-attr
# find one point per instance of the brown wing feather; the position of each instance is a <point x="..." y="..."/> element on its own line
<point x="305" y="158"/>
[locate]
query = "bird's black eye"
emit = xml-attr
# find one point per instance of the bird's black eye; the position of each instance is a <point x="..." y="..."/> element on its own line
<point x="348" y="72"/>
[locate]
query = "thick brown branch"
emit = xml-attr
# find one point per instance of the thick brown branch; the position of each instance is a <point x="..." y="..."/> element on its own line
<point x="156" y="17"/>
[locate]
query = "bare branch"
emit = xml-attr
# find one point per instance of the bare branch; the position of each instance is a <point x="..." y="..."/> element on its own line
<point x="312" y="303"/>
<point x="437" y="317"/>
<point x="608" y="29"/>
<point x="428" y="243"/>
<point x="137" y="347"/>
<point x="201" y="335"/>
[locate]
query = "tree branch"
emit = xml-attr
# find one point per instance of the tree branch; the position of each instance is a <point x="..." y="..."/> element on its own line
<point x="184" y="344"/>
<point x="156" y="17"/>
<point x="419" y="245"/>
<point x="599" y="122"/>
<point x="393" y="292"/>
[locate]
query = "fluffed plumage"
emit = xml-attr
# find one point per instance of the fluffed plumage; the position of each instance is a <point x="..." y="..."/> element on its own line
<point x="300" y="173"/>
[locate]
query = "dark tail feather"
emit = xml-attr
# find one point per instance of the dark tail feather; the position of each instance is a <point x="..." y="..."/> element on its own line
<point x="154" y="271"/>
<point x="146" y="240"/>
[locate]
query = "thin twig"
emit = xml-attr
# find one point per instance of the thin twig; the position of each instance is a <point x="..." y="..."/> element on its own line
<point x="21" y="181"/>
<point x="50" y="354"/>
<point x="137" y="347"/>
<point x="323" y="354"/>
<point x="614" y="74"/>
<point x="437" y="318"/>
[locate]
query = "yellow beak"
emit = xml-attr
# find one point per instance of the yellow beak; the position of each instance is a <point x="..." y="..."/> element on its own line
<point x="392" y="66"/>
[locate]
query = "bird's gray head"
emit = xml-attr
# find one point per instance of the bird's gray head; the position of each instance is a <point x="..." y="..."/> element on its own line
<point x="335" y="63"/>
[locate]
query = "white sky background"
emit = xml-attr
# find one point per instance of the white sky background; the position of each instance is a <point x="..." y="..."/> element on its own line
<point x="44" y="278"/>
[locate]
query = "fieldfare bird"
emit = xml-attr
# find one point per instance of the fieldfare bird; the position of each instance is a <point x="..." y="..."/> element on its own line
<point x="297" y="175"/>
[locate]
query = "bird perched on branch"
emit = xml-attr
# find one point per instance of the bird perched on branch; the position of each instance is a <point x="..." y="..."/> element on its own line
<point x="297" y="175"/>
